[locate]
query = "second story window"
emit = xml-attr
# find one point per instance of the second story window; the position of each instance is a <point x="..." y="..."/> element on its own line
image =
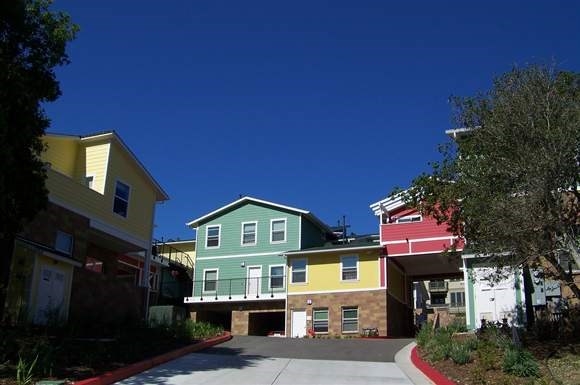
<point x="299" y="270"/>
<point x="278" y="231"/>
<point x="276" y="277"/>
<point x="210" y="280"/>
<point x="349" y="268"/>
<point x="212" y="237"/>
<point x="63" y="242"/>
<point x="121" y="203"/>
<point x="249" y="234"/>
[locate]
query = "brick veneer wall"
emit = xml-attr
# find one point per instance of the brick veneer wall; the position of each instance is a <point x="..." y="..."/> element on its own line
<point x="372" y="309"/>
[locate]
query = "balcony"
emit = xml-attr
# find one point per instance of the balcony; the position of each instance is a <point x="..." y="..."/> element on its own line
<point x="438" y="286"/>
<point x="265" y="288"/>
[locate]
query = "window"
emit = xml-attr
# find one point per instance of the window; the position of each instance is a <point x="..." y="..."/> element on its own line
<point x="409" y="218"/>
<point x="276" y="277"/>
<point x="457" y="299"/>
<point x="299" y="270"/>
<point x="320" y="320"/>
<point x="95" y="265"/>
<point x="121" y="203"/>
<point x="212" y="236"/>
<point x="349" y="268"/>
<point x="438" y="299"/>
<point x="210" y="280"/>
<point x="249" y="233"/>
<point x="278" y="231"/>
<point x="350" y="319"/>
<point x="63" y="242"/>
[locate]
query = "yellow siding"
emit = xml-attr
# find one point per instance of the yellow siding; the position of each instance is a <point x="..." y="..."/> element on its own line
<point x="61" y="152"/>
<point x="323" y="273"/>
<point x="142" y="196"/>
<point x="396" y="282"/>
<point x="93" y="161"/>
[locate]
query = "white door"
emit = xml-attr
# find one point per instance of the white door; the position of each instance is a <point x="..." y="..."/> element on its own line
<point x="254" y="278"/>
<point x="298" y="323"/>
<point x="495" y="302"/>
<point x="50" y="295"/>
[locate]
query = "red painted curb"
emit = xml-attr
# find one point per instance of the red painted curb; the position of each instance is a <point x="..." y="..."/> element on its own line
<point x="434" y="375"/>
<point x="138" y="367"/>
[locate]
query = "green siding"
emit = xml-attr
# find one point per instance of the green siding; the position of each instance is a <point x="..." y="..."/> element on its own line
<point x="233" y="254"/>
<point x="231" y="230"/>
<point x="312" y="235"/>
<point x="231" y="269"/>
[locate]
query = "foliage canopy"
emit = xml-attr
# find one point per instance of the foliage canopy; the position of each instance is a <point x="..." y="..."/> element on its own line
<point x="508" y="181"/>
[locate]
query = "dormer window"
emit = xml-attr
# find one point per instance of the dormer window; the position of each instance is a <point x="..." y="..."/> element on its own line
<point x="121" y="203"/>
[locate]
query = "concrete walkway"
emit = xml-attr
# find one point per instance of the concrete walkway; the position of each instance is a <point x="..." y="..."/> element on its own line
<point x="237" y="363"/>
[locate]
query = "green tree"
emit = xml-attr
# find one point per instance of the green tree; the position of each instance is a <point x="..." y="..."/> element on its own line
<point x="33" y="43"/>
<point x="509" y="180"/>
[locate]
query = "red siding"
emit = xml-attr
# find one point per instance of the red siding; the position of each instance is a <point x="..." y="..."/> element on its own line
<point x="416" y="237"/>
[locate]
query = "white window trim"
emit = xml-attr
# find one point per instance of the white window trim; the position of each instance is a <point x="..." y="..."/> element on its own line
<point x="217" y="274"/>
<point x="270" y="277"/>
<point x="342" y="319"/>
<point x="285" y="230"/>
<point x="72" y="242"/>
<point x="128" y="198"/>
<point x="219" y="226"/>
<point x="255" y="234"/>
<point x="327" y="319"/>
<point x="398" y="220"/>
<point x="292" y="271"/>
<point x="342" y="257"/>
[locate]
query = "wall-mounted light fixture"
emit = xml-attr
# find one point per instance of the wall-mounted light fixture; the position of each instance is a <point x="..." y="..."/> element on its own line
<point x="243" y="264"/>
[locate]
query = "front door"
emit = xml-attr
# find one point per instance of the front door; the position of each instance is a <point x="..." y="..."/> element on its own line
<point x="50" y="295"/>
<point x="254" y="278"/>
<point x="298" y="323"/>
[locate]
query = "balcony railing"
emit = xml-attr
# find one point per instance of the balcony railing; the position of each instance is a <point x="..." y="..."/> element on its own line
<point x="163" y="251"/>
<point x="238" y="289"/>
<point x="437" y="286"/>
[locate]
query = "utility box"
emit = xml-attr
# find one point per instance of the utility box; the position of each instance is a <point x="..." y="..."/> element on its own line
<point x="538" y="289"/>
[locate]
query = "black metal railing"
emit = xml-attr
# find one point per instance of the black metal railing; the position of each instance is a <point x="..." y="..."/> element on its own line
<point x="235" y="288"/>
<point x="163" y="251"/>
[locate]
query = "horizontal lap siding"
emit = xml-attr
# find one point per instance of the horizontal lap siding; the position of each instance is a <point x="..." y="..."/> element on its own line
<point x="323" y="272"/>
<point x="62" y="154"/>
<point x="231" y="228"/>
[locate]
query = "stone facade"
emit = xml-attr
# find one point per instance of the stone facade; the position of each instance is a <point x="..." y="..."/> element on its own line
<point x="372" y="309"/>
<point x="236" y="317"/>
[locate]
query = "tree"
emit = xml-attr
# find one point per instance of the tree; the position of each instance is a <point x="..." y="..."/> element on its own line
<point x="509" y="182"/>
<point x="33" y="43"/>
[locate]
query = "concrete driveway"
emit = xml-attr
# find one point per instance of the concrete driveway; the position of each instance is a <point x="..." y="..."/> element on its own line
<point x="281" y="361"/>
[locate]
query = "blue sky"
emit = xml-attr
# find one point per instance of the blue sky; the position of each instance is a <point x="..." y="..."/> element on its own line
<point x="320" y="105"/>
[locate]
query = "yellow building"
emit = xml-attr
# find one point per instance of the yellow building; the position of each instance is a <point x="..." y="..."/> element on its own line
<point x="90" y="249"/>
<point x="346" y="290"/>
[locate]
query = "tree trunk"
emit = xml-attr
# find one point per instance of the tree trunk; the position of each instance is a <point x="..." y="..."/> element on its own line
<point x="7" y="249"/>
<point x="563" y="276"/>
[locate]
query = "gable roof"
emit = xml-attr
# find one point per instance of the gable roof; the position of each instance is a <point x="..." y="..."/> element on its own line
<point x="196" y="222"/>
<point x="160" y="194"/>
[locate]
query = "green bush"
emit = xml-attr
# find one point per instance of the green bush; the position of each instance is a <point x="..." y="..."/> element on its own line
<point x="460" y="353"/>
<point x="488" y="355"/>
<point x="520" y="363"/>
<point x="197" y="330"/>
<point x="423" y="336"/>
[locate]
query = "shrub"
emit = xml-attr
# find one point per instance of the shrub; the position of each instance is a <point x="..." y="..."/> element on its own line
<point x="488" y="355"/>
<point x="197" y="330"/>
<point x="460" y="353"/>
<point x="520" y="363"/>
<point x="423" y="336"/>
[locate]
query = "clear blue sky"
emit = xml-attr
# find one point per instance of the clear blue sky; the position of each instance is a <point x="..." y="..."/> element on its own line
<point x="320" y="105"/>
